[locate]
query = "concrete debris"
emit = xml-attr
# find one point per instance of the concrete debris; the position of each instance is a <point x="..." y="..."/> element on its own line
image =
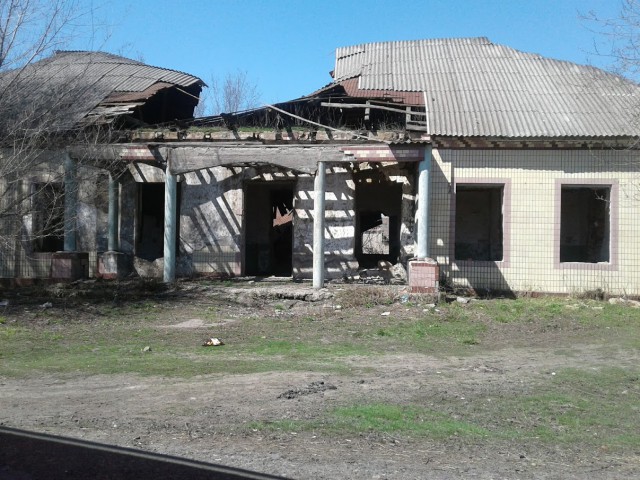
<point x="385" y="274"/>
<point x="399" y="273"/>
<point x="624" y="301"/>
<point x="305" y="294"/>
<point x="148" y="269"/>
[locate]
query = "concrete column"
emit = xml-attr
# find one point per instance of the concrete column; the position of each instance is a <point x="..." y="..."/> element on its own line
<point x="70" y="203"/>
<point x="318" y="226"/>
<point x="424" y="170"/>
<point x="114" y="199"/>
<point x="170" y="223"/>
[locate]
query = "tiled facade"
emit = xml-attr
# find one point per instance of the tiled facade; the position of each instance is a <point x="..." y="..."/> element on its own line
<point x="531" y="221"/>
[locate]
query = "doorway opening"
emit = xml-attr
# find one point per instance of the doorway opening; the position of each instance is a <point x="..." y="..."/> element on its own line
<point x="269" y="228"/>
<point x="150" y="220"/>
<point x="378" y="214"/>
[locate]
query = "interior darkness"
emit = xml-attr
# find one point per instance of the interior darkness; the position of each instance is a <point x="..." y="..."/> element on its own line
<point x="48" y="217"/>
<point x="150" y="224"/>
<point x="269" y="228"/>
<point x="168" y="105"/>
<point x="377" y="237"/>
<point x="478" y="224"/>
<point x="584" y="225"/>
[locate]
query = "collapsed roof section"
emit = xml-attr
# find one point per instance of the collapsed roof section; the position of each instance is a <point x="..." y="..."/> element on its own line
<point x="77" y="89"/>
<point x="464" y="87"/>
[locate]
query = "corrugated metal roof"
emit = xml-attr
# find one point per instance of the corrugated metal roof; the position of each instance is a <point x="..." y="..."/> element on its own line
<point x="79" y="81"/>
<point x="476" y="88"/>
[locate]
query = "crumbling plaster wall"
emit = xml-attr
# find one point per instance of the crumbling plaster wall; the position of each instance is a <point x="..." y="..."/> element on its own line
<point x="339" y="224"/>
<point x="18" y="256"/>
<point x="340" y="220"/>
<point x="212" y="217"/>
<point x="211" y="220"/>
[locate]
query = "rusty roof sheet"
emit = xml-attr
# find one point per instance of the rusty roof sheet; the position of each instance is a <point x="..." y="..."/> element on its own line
<point x="474" y="87"/>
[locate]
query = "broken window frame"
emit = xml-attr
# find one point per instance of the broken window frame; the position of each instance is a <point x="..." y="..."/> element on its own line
<point x="505" y="185"/>
<point x="595" y="184"/>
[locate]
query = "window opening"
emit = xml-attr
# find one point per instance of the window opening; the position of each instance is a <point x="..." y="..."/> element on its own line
<point x="584" y="224"/>
<point x="478" y="223"/>
<point x="48" y="217"/>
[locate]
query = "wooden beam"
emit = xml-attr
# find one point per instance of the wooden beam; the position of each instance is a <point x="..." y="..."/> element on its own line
<point x="302" y="159"/>
<point x="369" y="105"/>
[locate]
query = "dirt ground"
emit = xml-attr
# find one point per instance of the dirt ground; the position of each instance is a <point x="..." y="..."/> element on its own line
<point x="205" y="417"/>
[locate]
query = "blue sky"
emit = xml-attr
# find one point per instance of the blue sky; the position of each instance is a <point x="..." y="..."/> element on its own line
<point x="287" y="47"/>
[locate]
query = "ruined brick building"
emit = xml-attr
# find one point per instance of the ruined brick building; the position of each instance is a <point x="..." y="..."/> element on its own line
<point x="510" y="171"/>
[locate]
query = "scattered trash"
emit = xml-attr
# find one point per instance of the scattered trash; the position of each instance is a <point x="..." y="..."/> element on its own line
<point x="46" y="305"/>
<point x="404" y="298"/>
<point x="146" y="349"/>
<point x="213" y="342"/>
<point x="462" y="300"/>
<point x="385" y="314"/>
<point x="338" y="307"/>
<point x="4" y="303"/>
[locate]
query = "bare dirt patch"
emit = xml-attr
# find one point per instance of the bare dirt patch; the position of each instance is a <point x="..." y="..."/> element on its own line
<point x="277" y="421"/>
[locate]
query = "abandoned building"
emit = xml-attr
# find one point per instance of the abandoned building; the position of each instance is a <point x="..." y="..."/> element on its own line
<point x="468" y="163"/>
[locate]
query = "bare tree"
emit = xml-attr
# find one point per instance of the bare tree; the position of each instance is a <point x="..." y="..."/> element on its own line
<point x="622" y="37"/>
<point x="233" y="93"/>
<point x="39" y="118"/>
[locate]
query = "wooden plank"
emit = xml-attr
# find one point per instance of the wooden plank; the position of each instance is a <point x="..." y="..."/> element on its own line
<point x="295" y="158"/>
<point x="364" y="105"/>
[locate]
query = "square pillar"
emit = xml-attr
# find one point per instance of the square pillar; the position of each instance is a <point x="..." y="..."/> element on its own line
<point x="424" y="275"/>
<point x="114" y="265"/>
<point x="69" y="266"/>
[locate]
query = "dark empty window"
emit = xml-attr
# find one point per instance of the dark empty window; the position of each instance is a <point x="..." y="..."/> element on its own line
<point x="48" y="217"/>
<point x="584" y="224"/>
<point x="478" y="224"/>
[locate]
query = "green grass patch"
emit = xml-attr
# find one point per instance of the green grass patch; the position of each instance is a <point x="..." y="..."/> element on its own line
<point x="575" y="407"/>
<point x="572" y="407"/>
<point x="400" y="420"/>
<point x="405" y="420"/>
